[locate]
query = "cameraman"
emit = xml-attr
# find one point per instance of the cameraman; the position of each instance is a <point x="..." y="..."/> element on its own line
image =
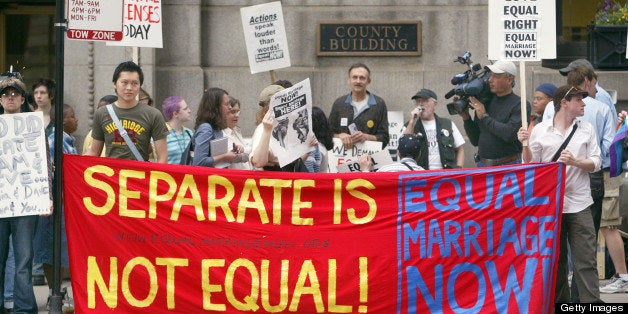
<point x="494" y="128"/>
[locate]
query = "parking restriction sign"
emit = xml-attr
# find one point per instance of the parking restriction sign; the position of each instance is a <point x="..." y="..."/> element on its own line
<point x="94" y="19"/>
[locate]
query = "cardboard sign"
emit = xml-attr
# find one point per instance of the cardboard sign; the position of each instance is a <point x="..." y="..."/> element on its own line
<point x="142" y="24"/>
<point x="339" y="154"/>
<point x="378" y="159"/>
<point x="24" y="186"/>
<point x="395" y="128"/>
<point x="265" y="35"/>
<point x="94" y="19"/>
<point x="521" y="30"/>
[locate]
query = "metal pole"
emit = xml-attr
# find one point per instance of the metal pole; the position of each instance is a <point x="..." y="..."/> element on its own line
<point x="56" y="300"/>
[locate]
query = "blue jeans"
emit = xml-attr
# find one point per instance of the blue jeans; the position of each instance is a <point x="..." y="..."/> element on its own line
<point x="8" y="278"/>
<point x="20" y="231"/>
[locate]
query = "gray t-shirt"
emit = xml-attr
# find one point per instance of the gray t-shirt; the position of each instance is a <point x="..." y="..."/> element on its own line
<point x="141" y="122"/>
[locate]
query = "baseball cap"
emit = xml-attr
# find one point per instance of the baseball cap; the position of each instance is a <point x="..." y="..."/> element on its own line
<point x="503" y="66"/>
<point x="409" y="146"/>
<point x="268" y="92"/>
<point x="546" y="88"/>
<point x="574" y="64"/>
<point x="11" y="82"/>
<point x="425" y="93"/>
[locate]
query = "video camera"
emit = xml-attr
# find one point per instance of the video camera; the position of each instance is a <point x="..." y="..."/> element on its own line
<point x="472" y="82"/>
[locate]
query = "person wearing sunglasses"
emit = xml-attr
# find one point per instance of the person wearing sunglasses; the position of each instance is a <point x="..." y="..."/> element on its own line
<point x="567" y="140"/>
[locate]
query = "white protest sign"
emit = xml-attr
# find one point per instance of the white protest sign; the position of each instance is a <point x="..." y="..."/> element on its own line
<point x="339" y="154"/>
<point x="265" y="35"/>
<point x="24" y="187"/>
<point x="521" y="30"/>
<point x="142" y="24"/>
<point x="292" y="127"/>
<point x="395" y="128"/>
<point x="94" y="19"/>
<point x="379" y="159"/>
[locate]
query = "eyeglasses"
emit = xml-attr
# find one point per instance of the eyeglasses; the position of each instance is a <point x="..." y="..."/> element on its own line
<point x="234" y="112"/>
<point x="11" y="94"/>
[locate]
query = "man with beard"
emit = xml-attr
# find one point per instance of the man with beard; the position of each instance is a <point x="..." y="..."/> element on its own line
<point x="443" y="144"/>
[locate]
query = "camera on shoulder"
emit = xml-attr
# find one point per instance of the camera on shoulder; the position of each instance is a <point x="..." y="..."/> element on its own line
<point x="472" y="82"/>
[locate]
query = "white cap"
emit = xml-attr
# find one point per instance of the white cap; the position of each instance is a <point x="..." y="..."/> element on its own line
<point x="503" y="66"/>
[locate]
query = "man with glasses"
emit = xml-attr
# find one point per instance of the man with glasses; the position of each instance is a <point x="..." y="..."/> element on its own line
<point x="141" y="123"/>
<point x="442" y="144"/>
<point x="18" y="229"/>
<point x="581" y="156"/>
<point x="494" y="128"/>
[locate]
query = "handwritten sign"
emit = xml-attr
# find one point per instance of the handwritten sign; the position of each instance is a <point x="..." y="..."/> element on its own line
<point x="395" y="128"/>
<point x="265" y="35"/>
<point x="142" y="24"/>
<point x="340" y="155"/>
<point x="24" y="188"/>
<point x="94" y="19"/>
<point x="522" y="30"/>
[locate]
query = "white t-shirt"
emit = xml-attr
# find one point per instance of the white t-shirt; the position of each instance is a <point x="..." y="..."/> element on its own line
<point x="432" y="142"/>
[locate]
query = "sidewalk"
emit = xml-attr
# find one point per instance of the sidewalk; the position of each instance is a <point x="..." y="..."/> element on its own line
<point x="41" y="293"/>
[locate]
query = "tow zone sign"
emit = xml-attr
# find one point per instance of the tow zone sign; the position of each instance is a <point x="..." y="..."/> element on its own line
<point x="94" y="19"/>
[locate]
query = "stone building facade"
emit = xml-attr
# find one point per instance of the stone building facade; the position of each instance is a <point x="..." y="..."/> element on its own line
<point x="204" y="47"/>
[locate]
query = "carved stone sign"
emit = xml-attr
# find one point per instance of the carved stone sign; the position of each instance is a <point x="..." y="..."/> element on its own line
<point x="400" y="38"/>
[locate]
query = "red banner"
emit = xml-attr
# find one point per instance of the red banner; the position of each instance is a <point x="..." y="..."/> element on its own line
<point x="149" y="238"/>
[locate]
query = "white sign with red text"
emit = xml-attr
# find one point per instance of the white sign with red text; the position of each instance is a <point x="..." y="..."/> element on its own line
<point x="94" y="19"/>
<point x="142" y="24"/>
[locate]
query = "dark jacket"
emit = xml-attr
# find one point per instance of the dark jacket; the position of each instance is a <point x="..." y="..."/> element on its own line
<point x="446" y="146"/>
<point x="373" y="120"/>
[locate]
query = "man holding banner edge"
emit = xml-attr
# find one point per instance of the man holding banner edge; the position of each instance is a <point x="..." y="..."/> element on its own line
<point x="551" y="141"/>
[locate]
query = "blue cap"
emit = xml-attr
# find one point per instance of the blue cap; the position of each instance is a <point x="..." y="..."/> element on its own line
<point x="547" y="88"/>
<point x="409" y="146"/>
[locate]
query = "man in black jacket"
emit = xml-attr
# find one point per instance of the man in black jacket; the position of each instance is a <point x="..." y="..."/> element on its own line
<point x="443" y="144"/>
<point x="494" y="128"/>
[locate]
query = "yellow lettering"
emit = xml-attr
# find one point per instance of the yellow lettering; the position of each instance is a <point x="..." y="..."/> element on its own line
<point x="364" y="283"/>
<point x="337" y="201"/>
<point x="331" y="291"/>
<point x="125" y="193"/>
<point x="88" y="176"/>
<point x="208" y="288"/>
<point x="283" y="288"/>
<point x="170" y="264"/>
<point x="188" y="184"/>
<point x="250" y="190"/>
<point x="297" y="204"/>
<point x="351" y="212"/>
<point x="213" y="201"/>
<point x="249" y="302"/>
<point x="307" y="272"/>
<point x="95" y="278"/>
<point x="277" y="185"/>
<point x="126" y="288"/>
<point x="153" y="193"/>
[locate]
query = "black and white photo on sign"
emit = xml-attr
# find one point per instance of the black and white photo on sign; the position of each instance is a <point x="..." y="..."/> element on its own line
<point x="24" y="186"/>
<point x="292" y="128"/>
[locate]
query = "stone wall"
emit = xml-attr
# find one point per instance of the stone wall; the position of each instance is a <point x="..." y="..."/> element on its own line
<point x="204" y="47"/>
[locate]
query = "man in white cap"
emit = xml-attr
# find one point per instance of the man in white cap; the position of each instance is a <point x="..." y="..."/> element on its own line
<point x="494" y="128"/>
